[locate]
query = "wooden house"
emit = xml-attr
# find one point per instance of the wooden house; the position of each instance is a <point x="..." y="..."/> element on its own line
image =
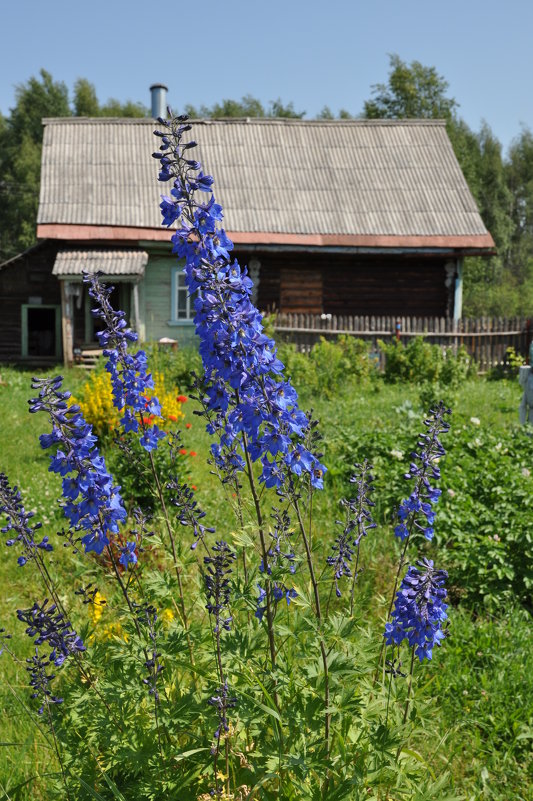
<point x="331" y="216"/>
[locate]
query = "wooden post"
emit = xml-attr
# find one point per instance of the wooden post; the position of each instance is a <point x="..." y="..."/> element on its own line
<point x="66" y="324"/>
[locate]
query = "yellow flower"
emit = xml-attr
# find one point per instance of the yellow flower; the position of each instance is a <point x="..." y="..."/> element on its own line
<point x="167" y="616"/>
<point x="96" y="608"/>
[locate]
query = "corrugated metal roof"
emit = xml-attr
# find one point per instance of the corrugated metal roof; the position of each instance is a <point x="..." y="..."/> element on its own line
<point x="366" y="177"/>
<point x="109" y="262"/>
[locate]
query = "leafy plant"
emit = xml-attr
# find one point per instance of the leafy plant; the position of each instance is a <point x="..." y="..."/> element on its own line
<point x="224" y="667"/>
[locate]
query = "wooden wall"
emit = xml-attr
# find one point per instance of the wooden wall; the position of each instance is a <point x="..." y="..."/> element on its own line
<point x="412" y="285"/>
<point x="29" y="276"/>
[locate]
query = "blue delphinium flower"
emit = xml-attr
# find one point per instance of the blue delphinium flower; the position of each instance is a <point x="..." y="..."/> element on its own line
<point x="130" y="380"/>
<point x="416" y="512"/>
<point x="218" y="568"/>
<point x="419" y="611"/>
<point x="356" y="525"/>
<point x="280" y="561"/>
<point x="222" y="702"/>
<point x="128" y="555"/>
<point x="48" y="625"/>
<point x="189" y="512"/>
<point x="40" y="681"/>
<point x="92" y="502"/>
<point x="17" y="520"/>
<point x="253" y="405"/>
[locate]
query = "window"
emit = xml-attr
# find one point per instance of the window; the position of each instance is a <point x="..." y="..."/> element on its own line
<point x="182" y="306"/>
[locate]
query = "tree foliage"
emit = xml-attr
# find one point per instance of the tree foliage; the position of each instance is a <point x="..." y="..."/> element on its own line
<point x="21" y="136"/>
<point x="502" y="188"/>
<point x="247" y="106"/>
<point x="412" y="91"/>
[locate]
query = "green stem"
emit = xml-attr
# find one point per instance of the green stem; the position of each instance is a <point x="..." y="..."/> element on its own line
<point x="318" y="613"/>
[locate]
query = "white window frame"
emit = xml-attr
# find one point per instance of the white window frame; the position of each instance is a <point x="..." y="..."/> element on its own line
<point x="178" y="284"/>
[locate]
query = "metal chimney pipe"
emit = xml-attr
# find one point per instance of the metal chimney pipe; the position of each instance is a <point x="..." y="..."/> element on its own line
<point x="159" y="100"/>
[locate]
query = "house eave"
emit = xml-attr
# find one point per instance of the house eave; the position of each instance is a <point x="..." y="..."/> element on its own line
<point x="471" y="244"/>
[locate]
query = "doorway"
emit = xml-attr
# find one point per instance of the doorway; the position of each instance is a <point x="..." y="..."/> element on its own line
<point x="41" y="331"/>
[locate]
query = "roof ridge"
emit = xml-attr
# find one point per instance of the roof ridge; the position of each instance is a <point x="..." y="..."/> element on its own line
<point x="285" y="121"/>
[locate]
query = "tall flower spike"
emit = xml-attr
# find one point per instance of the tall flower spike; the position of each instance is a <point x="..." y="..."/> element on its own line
<point x="419" y="611"/>
<point x="48" y="625"/>
<point x="40" y="681"/>
<point x="17" y="521"/>
<point x="130" y="381"/>
<point x="416" y="512"/>
<point x="254" y="406"/>
<point x="91" y="501"/>
<point x="217" y="584"/>
<point x="357" y="524"/>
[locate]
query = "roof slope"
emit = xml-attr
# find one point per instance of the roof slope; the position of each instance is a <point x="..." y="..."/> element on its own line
<point x="334" y="178"/>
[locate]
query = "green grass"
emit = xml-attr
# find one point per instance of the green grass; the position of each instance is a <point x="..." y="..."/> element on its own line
<point x="482" y="679"/>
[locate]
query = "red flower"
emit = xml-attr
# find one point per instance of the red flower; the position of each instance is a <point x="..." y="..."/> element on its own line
<point x="193" y="453"/>
<point x="182" y="398"/>
<point x="194" y="487"/>
<point x="173" y="418"/>
<point x="183" y="452"/>
<point x="188" y="425"/>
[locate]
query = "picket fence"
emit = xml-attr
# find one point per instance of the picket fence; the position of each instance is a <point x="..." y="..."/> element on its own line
<point x="485" y="338"/>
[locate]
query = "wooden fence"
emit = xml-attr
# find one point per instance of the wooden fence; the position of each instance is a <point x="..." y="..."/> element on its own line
<point x="485" y="338"/>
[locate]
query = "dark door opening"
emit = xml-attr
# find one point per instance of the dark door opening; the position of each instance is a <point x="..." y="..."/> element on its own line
<point x="41" y="332"/>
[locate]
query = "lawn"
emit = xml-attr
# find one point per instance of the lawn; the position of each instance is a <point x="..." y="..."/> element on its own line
<point x="480" y="716"/>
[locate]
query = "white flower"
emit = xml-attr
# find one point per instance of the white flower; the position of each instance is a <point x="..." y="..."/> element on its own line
<point x="525" y="472"/>
<point x="396" y="454"/>
<point x="475" y="421"/>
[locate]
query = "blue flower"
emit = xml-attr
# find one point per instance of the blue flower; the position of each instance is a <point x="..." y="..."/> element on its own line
<point x="18" y="521"/>
<point x="130" y="380"/>
<point x="127" y="555"/>
<point x="419" y="610"/>
<point x="92" y="502"/>
<point x="48" y="625"/>
<point x="256" y="409"/>
<point x="358" y="522"/>
<point x="217" y="584"/>
<point x="416" y="512"/>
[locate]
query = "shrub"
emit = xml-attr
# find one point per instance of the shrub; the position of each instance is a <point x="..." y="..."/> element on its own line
<point x="420" y="362"/>
<point x="330" y="366"/>
<point x="95" y="399"/>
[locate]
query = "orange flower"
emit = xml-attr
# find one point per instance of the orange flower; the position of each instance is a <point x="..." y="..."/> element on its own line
<point x="193" y="453"/>
<point x="194" y="487"/>
<point x="183" y="452"/>
<point x="188" y="425"/>
<point x="173" y="418"/>
<point x="182" y="398"/>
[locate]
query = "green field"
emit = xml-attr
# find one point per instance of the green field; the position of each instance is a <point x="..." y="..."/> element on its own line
<point x="481" y="680"/>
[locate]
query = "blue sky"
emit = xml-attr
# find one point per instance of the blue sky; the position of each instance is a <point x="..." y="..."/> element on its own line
<point x="309" y="52"/>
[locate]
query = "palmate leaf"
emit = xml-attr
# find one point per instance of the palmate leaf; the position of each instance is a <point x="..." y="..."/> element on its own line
<point x="110" y="783"/>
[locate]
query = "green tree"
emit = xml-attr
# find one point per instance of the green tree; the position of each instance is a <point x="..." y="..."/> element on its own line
<point x="519" y="171"/>
<point x="21" y="135"/>
<point x="247" y="106"/>
<point x="412" y="91"/>
<point x="85" y="101"/>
